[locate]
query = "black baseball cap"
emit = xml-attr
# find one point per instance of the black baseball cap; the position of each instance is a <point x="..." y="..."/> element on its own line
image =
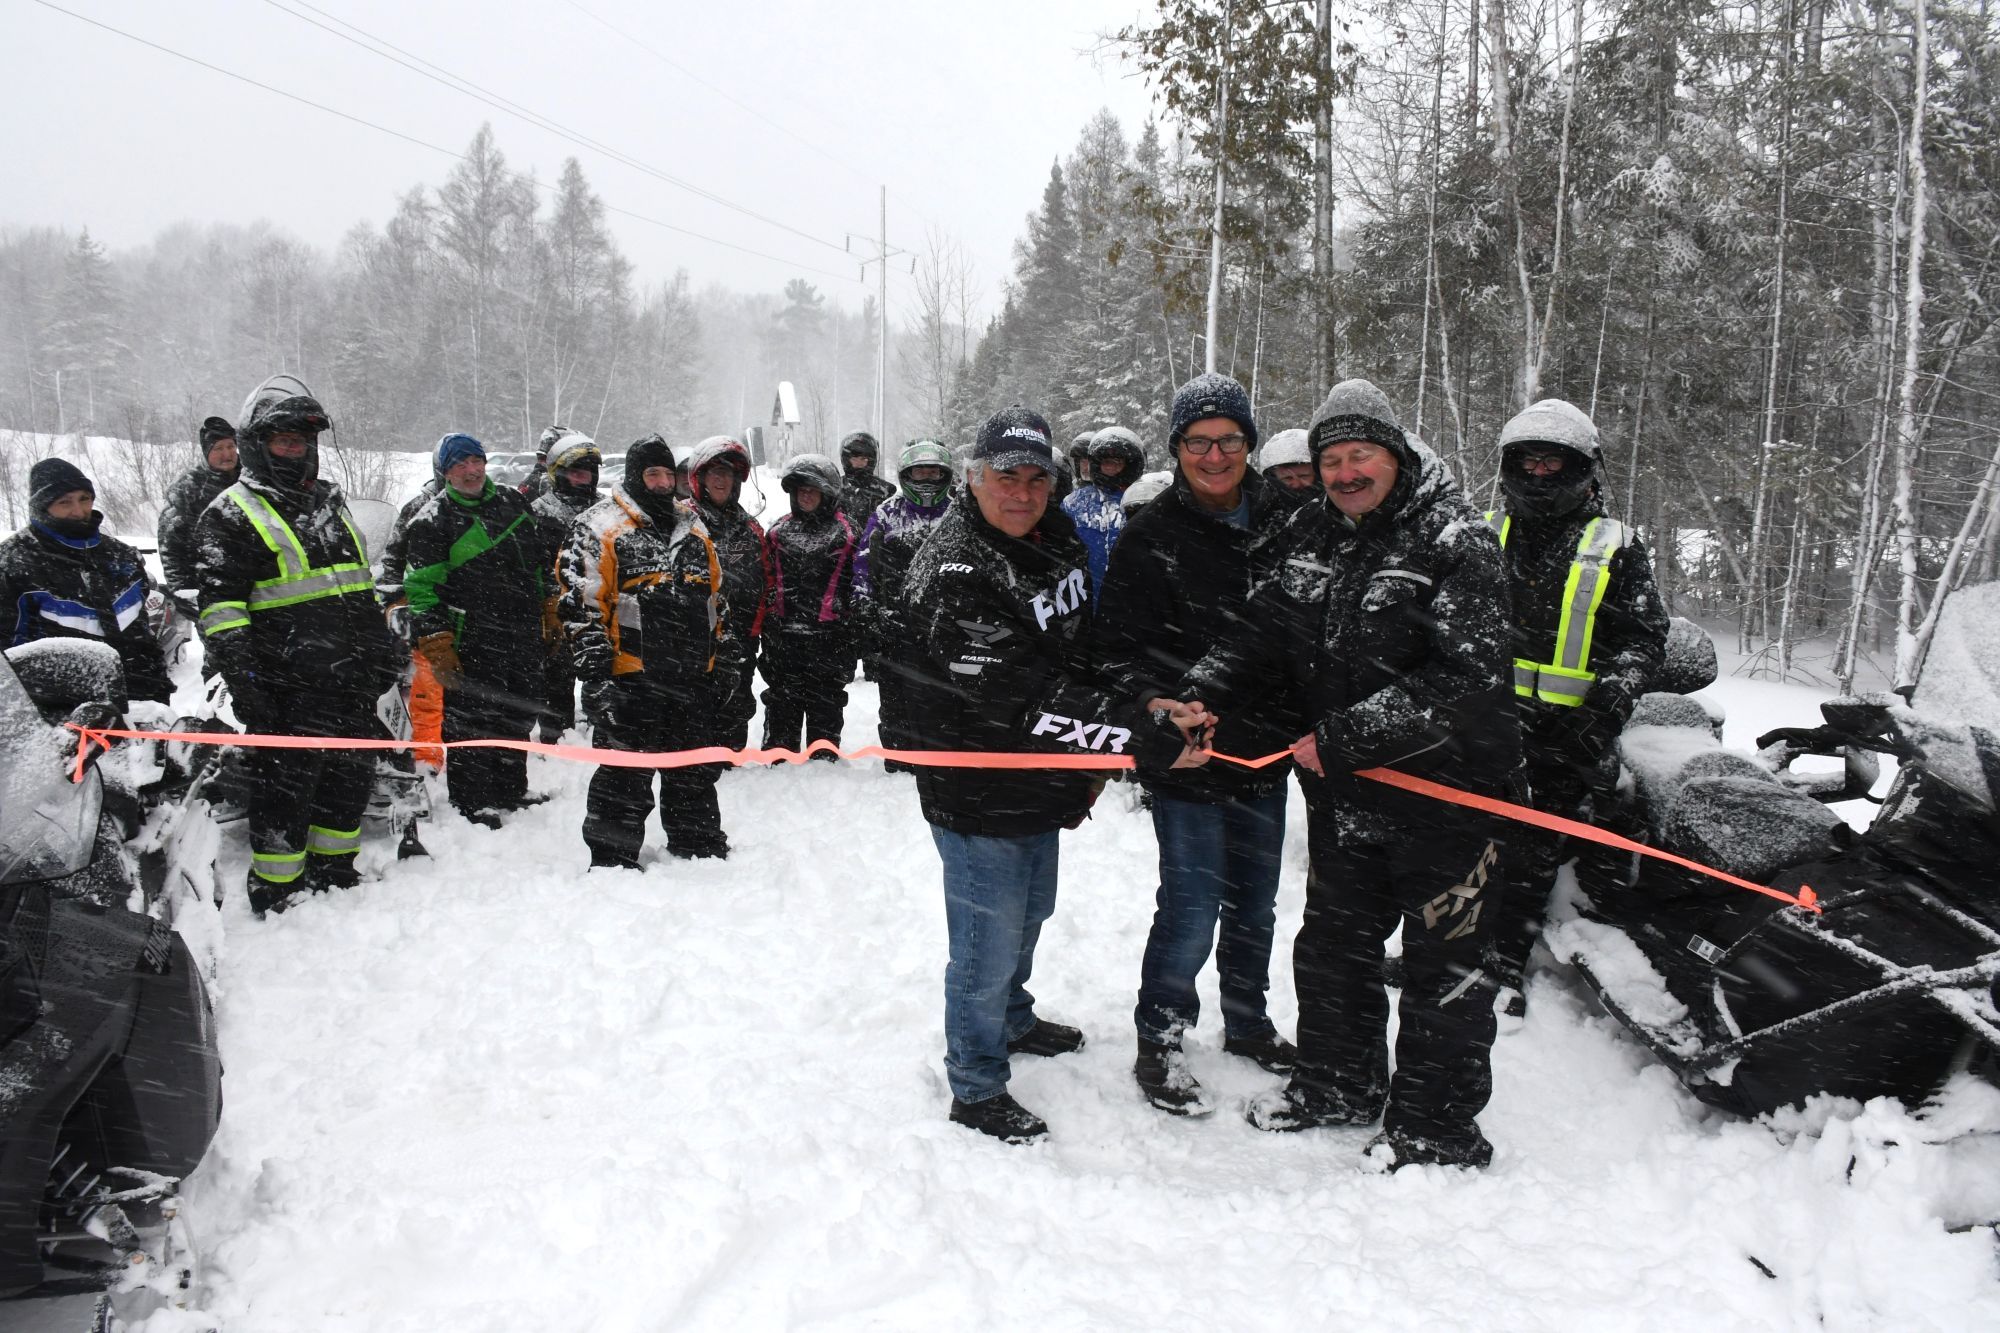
<point x="1015" y="437"/>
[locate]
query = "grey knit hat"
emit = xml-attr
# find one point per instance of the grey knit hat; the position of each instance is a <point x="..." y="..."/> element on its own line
<point x="1357" y="410"/>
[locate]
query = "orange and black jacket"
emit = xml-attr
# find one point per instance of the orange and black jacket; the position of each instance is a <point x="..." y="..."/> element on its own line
<point x="639" y="597"/>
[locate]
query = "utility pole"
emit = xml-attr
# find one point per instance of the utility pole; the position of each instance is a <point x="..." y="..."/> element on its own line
<point x="1215" y="226"/>
<point x="883" y="254"/>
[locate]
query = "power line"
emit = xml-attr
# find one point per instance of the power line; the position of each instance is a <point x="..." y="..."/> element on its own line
<point x="736" y="102"/>
<point x="459" y="84"/>
<point x="435" y="148"/>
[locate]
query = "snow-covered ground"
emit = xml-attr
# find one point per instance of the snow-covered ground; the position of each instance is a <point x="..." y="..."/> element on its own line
<point x="491" y="1091"/>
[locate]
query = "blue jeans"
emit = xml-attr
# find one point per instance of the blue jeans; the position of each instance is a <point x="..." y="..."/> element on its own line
<point x="1217" y="863"/>
<point x="997" y="893"/>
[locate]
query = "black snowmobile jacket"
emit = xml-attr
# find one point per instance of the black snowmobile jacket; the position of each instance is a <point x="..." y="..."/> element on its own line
<point x="892" y="545"/>
<point x="809" y="618"/>
<point x="746" y="589"/>
<point x="1628" y="640"/>
<point x="1178" y="584"/>
<point x="556" y="512"/>
<point x="395" y="551"/>
<point x="304" y="650"/>
<point x="58" y="587"/>
<point x="477" y="570"/>
<point x="638" y="597"/>
<point x="1395" y="632"/>
<point x="861" y="495"/>
<point x="186" y="499"/>
<point x="1002" y="624"/>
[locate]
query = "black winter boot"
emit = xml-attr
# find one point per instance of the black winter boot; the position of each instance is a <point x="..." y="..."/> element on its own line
<point x="1164" y="1077"/>
<point x="1298" y="1106"/>
<point x="1002" y="1117"/>
<point x="266" y="897"/>
<point x="1046" y="1038"/>
<point x="1396" y="1149"/>
<point x="1271" y="1052"/>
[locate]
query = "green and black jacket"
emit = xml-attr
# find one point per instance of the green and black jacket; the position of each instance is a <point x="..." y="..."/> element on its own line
<point x="477" y="569"/>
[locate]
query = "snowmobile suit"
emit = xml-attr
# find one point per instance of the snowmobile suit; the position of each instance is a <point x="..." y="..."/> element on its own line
<point x="478" y="573"/>
<point x="556" y="510"/>
<point x="425" y="697"/>
<point x="808" y="640"/>
<point x="1099" y="515"/>
<point x="190" y="494"/>
<point x="1394" y="629"/>
<point x="642" y="607"/>
<point x="896" y="532"/>
<point x="289" y="618"/>
<point x="1179" y="582"/>
<point x="1590" y="631"/>
<point x="746" y="582"/>
<point x="93" y="587"/>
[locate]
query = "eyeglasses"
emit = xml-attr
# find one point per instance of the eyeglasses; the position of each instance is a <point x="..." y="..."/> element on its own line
<point x="1539" y="464"/>
<point x="1199" y="445"/>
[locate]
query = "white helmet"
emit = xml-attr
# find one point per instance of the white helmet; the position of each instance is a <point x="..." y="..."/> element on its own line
<point x="1287" y="446"/>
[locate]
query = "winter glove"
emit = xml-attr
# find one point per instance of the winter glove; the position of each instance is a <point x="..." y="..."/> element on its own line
<point x="1589" y="729"/>
<point x="94" y="716"/>
<point x="552" y="630"/>
<point x="252" y="706"/>
<point x="599" y="704"/>
<point x="439" y="650"/>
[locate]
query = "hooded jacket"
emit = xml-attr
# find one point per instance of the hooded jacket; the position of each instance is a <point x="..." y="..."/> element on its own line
<point x="58" y="587"/>
<point x="1178" y="585"/>
<point x="1001" y="627"/>
<point x="1394" y="631"/>
<point x="641" y="598"/>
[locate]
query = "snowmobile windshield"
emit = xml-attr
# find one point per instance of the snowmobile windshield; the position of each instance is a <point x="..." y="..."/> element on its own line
<point x="48" y="824"/>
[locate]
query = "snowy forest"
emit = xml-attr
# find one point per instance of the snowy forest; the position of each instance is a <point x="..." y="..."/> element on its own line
<point x="1757" y="242"/>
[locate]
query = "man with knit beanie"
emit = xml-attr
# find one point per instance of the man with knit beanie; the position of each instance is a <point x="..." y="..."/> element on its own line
<point x="1388" y="614"/>
<point x="1590" y="631"/>
<point x="61" y="577"/>
<point x="186" y="498"/>
<point x="477" y="575"/>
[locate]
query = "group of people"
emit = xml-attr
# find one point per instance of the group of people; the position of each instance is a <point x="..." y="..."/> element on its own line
<point x="1342" y="603"/>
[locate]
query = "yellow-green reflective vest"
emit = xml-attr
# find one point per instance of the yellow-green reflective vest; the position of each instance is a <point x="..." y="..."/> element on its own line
<point x="1567" y="679"/>
<point x="297" y="580"/>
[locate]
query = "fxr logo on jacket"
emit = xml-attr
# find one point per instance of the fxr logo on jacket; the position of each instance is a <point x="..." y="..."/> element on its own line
<point x="1089" y="735"/>
<point x="1067" y="596"/>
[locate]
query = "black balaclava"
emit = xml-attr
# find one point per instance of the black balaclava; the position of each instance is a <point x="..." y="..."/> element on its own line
<point x="1556" y="496"/>
<point x="649" y="452"/>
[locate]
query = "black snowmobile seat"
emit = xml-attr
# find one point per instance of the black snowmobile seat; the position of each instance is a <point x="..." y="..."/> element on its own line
<point x="1752" y="827"/>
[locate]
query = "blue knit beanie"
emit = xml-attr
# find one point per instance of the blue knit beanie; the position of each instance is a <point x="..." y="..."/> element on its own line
<point x="456" y="448"/>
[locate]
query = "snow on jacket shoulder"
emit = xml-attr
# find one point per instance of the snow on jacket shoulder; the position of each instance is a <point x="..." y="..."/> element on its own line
<point x="1099" y="516"/>
<point x="1002" y="624"/>
<point x="1397" y="635"/>
<point x="191" y="493"/>
<point x="637" y="596"/>
<point x="1178" y="584"/>
<point x="95" y="588"/>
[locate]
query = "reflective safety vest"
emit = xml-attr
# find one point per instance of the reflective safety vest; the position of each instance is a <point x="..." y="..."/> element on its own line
<point x="298" y="580"/>
<point x="1567" y="678"/>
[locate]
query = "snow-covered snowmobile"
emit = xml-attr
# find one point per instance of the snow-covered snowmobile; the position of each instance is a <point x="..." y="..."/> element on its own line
<point x="1757" y="1005"/>
<point x="110" y="1078"/>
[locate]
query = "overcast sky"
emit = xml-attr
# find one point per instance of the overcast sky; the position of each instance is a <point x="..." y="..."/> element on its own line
<point x="959" y="108"/>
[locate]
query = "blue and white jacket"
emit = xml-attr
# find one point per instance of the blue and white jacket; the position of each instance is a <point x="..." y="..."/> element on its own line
<point x="57" y="587"/>
<point x="1099" y="515"/>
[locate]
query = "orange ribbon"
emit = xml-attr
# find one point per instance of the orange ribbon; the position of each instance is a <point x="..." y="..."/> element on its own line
<point x="1806" y="899"/>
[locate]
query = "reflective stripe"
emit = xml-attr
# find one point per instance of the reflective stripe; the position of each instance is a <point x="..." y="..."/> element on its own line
<point x="298" y="579"/>
<point x="1566" y="680"/>
<point x="277" y="867"/>
<point x="332" y="842"/>
<point x="224" y="616"/>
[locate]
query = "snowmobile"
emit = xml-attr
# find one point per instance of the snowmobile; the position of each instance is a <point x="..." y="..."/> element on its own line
<point x="1892" y="986"/>
<point x="110" y="1077"/>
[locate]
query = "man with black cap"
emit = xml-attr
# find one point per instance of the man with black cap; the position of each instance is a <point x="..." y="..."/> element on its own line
<point x="290" y="620"/>
<point x="863" y="490"/>
<point x="642" y="607"/>
<point x="999" y="601"/>
<point x="186" y="498"/>
<point x="574" y="462"/>
<point x="61" y="577"/>
<point x="477" y="576"/>
<point x="1179" y="583"/>
<point x="1590" y="631"/>
<point x="1388" y="615"/>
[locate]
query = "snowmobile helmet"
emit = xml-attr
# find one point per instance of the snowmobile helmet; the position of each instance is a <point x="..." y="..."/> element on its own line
<point x="549" y="436"/>
<point x="1119" y="443"/>
<point x="924" y="453"/>
<point x="1211" y="395"/>
<point x="718" y="449"/>
<point x="860" y="442"/>
<point x="814" y="471"/>
<point x="1079" y="453"/>
<point x="281" y="405"/>
<point x="1144" y="491"/>
<point x="1549" y="434"/>
<point x="568" y="452"/>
